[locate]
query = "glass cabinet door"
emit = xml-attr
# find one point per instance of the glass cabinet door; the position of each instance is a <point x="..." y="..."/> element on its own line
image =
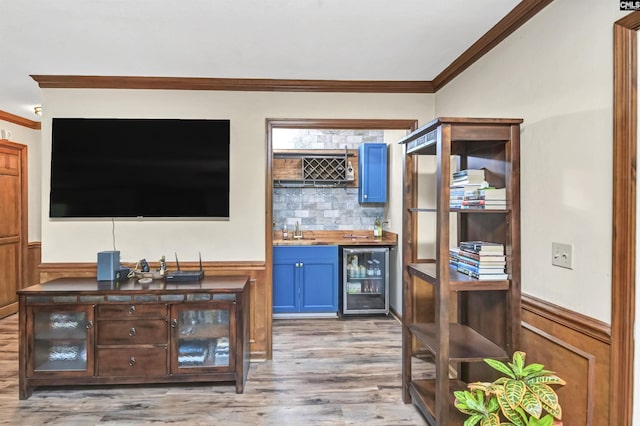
<point x="62" y="336"/>
<point x="202" y="336"/>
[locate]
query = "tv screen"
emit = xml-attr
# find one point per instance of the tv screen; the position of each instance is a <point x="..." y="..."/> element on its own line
<point x="156" y="168"/>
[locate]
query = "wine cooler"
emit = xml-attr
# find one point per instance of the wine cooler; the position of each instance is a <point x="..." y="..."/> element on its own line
<point x="365" y="281"/>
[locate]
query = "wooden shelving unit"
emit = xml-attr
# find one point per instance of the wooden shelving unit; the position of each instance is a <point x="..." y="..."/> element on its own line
<point x="458" y="319"/>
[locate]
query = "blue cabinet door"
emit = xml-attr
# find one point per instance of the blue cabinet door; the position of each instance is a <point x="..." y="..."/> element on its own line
<point x="319" y="286"/>
<point x="372" y="165"/>
<point x="285" y="293"/>
<point x="305" y="279"/>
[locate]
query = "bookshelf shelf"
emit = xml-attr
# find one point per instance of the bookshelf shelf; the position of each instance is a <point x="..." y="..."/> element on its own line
<point x="457" y="281"/>
<point x="467" y="319"/>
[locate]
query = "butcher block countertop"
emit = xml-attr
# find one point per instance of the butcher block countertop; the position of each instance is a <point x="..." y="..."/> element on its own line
<point x="336" y="238"/>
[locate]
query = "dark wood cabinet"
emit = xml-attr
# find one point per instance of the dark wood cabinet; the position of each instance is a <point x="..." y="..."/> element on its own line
<point x="451" y="318"/>
<point x="76" y="331"/>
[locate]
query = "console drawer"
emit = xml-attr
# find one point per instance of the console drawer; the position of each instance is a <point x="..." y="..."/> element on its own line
<point x="140" y="362"/>
<point x="133" y="332"/>
<point x="131" y="310"/>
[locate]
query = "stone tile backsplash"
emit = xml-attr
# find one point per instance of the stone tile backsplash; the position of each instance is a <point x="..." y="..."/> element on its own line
<point x="323" y="208"/>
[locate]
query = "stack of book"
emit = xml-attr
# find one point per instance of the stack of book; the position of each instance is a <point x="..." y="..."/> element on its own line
<point x="464" y="186"/>
<point x="485" y="198"/>
<point x="482" y="260"/>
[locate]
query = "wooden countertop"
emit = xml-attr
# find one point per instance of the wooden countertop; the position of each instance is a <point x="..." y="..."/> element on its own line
<point x="337" y="238"/>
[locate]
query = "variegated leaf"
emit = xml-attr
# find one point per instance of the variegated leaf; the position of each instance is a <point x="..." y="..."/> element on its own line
<point x="483" y="386"/>
<point x="532" y="368"/>
<point x="491" y="420"/>
<point x="545" y="421"/>
<point x="518" y="359"/>
<point x="545" y="394"/>
<point x="549" y="380"/>
<point x="531" y="404"/>
<point x="554" y="411"/>
<point x="493" y="405"/>
<point x="542" y="372"/>
<point x="473" y="420"/>
<point x="508" y="412"/>
<point x="500" y="366"/>
<point x="514" y="391"/>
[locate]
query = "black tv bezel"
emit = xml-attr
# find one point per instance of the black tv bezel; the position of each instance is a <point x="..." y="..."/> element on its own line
<point x="173" y="199"/>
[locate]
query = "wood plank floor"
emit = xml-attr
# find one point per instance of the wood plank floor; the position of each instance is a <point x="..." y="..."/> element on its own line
<point x="323" y="372"/>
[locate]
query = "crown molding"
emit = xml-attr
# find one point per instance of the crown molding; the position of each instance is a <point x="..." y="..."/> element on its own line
<point x="519" y="15"/>
<point x="231" y="84"/>
<point x="16" y="119"/>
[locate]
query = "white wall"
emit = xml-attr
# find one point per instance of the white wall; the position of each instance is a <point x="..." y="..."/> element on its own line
<point x="556" y="73"/>
<point x="243" y="236"/>
<point x="31" y="138"/>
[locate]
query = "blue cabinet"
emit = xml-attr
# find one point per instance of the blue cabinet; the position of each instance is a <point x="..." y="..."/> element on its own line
<point x="305" y="279"/>
<point x="372" y="167"/>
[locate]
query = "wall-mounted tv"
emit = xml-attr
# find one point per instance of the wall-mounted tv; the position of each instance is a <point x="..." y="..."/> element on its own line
<point x="142" y="168"/>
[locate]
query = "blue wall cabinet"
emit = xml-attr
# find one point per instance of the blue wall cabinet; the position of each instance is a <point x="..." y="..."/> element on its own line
<point x="372" y="165"/>
<point x="305" y="279"/>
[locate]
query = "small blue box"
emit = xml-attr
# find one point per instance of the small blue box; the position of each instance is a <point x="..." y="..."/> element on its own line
<point x="108" y="264"/>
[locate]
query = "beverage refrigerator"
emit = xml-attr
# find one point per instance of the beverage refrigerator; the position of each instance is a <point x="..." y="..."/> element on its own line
<point x="364" y="281"/>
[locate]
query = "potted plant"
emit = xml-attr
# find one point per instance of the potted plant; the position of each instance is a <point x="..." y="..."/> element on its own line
<point x="521" y="396"/>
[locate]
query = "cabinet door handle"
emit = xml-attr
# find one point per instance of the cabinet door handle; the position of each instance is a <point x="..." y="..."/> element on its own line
<point x="365" y="195"/>
<point x="132" y="309"/>
<point x="89" y="324"/>
<point x="174" y="323"/>
<point x="132" y="332"/>
<point x="132" y="361"/>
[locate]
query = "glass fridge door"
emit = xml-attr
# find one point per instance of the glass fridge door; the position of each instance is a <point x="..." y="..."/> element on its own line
<point x="365" y="281"/>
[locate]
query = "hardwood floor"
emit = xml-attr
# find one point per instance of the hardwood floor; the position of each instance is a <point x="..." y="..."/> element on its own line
<point x="323" y="372"/>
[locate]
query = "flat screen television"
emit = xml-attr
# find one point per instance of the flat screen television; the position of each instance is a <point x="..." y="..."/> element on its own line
<point x="139" y="168"/>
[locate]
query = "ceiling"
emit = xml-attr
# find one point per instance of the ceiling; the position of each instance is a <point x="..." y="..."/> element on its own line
<point x="411" y="40"/>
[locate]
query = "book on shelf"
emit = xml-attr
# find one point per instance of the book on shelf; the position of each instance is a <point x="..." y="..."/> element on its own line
<point x="482" y="203"/>
<point x="501" y="262"/>
<point x="482" y="257"/>
<point x="468" y="173"/>
<point x="493" y="194"/>
<point x="477" y="197"/>
<point x="467" y="176"/>
<point x="475" y="272"/>
<point x="482" y="247"/>
<point x="491" y="276"/>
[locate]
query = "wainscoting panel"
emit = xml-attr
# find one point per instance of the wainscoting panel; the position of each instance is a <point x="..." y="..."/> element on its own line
<point x="260" y="316"/>
<point x="577" y="348"/>
<point x="34" y="256"/>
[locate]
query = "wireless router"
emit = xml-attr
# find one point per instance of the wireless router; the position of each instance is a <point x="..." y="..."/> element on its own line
<point x="180" y="276"/>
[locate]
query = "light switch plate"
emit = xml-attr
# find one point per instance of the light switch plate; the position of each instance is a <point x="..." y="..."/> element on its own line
<point x="562" y="255"/>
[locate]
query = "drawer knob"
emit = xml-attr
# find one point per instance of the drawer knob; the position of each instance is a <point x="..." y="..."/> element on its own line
<point x="132" y="361"/>
<point x="132" y="310"/>
<point x="132" y="332"/>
